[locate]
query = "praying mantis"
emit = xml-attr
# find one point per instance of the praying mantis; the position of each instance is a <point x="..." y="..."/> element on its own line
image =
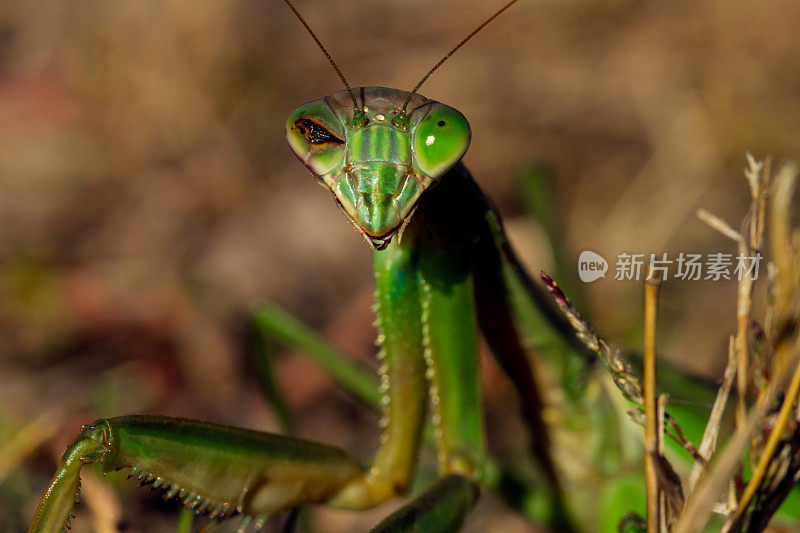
<point x="444" y="270"/>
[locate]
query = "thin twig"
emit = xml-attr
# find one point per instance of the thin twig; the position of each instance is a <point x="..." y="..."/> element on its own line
<point x="669" y="482"/>
<point x="757" y="174"/>
<point x="745" y="285"/>
<point x="762" y="204"/>
<point x="743" y="303"/>
<point x="673" y="431"/>
<point x="661" y="402"/>
<point x="651" y="288"/>
<point x="718" y="224"/>
<point x="679" y="436"/>
<point x="709" y="442"/>
<point x="743" y="299"/>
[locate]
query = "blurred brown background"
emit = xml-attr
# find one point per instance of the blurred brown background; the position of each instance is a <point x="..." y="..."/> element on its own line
<point x="148" y="200"/>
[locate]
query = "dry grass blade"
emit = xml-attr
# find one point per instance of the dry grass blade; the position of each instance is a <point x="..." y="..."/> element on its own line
<point x="714" y="481"/>
<point x="669" y="482"/>
<point x="772" y="443"/>
<point x="745" y="286"/>
<point x="103" y="502"/>
<point x="775" y="469"/>
<point x="757" y="174"/>
<point x="31" y="436"/>
<point x="780" y="216"/>
<point x="785" y="314"/>
<point x="709" y="442"/>
<point x="718" y="224"/>
<point x="743" y="305"/>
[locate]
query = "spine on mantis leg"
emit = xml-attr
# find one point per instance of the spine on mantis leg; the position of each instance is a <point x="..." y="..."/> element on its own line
<point x="445" y="236"/>
<point x="55" y="510"/>
<point x="450" y="332"/>
<point x="402" y="375"/>
<point x="215" y="470"/>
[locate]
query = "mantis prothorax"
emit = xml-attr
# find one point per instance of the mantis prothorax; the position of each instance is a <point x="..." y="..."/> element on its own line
<point x="392" y="160"/>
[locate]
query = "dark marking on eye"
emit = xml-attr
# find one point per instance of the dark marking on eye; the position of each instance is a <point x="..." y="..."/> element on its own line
<point x="440" y="123"/>
<point x="315" y="133"/>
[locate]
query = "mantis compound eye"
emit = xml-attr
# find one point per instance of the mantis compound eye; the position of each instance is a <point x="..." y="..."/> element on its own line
<point x="317" y="136"/>
<point x="440" y="139"/>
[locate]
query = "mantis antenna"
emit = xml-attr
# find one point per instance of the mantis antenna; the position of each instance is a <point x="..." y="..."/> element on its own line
<point x="451" y="52"/>
<point x="330" y="59"/>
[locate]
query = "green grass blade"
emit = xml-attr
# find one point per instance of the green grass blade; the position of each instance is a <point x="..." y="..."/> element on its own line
<point x="185" y="521"/>
<point x="273" y="322"/>
<point x="263" y="358"/>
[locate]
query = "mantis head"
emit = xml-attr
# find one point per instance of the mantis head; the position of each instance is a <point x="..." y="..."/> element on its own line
<point x="378" y="158"/>
<point x="378" y="155"/>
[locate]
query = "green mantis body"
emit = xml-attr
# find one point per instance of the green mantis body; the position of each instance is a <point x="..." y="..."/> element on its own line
<point x="384" y="164"/>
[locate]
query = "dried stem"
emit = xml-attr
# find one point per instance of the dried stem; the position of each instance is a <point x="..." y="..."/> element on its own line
<point x="651" y="289"/>
<point x="709" y="442"/>
<point x="782" y="314"/>
<point x="743" y="303"/>
<point x="661" y="402"/>
<point x="786" y="285"/>
<point x="718" y="224"/>
<point x="774" y="439"/>
<point x="713" y="481"/>
<point x="757" y="174"/>
<point x="680" y="437"/>
<point x="752" y="233"/>
<point x="744" y="299"/>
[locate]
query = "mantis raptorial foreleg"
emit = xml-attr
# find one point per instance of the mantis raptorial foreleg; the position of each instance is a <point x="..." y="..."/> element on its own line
<point x="216" y="470"/>
<point x="402" y="375"/>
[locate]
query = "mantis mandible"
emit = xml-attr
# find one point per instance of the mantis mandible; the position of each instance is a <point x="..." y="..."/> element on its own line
<point x="392" y="160"/>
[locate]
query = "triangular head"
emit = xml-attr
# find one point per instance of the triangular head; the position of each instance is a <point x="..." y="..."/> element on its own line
<point x="378" y="159"/>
